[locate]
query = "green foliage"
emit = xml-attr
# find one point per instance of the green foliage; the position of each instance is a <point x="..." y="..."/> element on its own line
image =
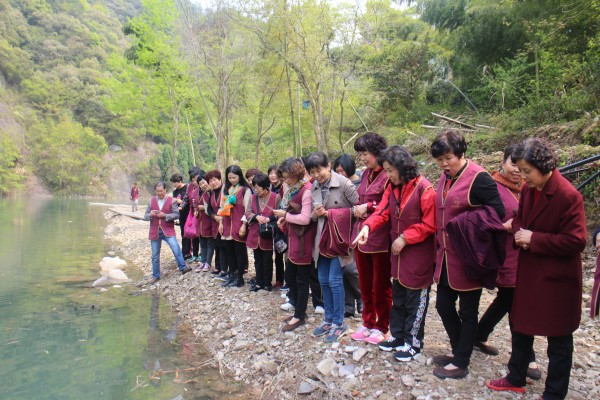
<point x="10" y="179"/>
<point x="66" y="155"/>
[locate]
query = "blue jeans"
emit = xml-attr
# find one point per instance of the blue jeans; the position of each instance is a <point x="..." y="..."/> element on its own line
<point x="207" y="249"/>
<point x="172" y="242"/>
<point x="331" y="277"/>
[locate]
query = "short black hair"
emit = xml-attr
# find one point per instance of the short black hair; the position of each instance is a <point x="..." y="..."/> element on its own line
<point x="194" y="171"/>
<point x="316" y="160"/>
<point x="261" y="180"/>
<point x="372" y="142"/>
<point x="201" y="175"/>
<point x="272" y="168"/>
<point x="537" y="152"/>
<point x="347" y="163"/>
<point x="401" y="159"/>
<point x="450" y="141"/>
<point x="176" y="178"/>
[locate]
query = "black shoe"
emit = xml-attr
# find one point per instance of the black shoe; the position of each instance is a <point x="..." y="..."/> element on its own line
<point x="254" y="288"/>
<point x="252" y="281"/>
<point x="229" y="281"/>
<point x="185" y="270"/>
<point x="239" y="282"/>
<point x="223" y="276"/>
<point x="391" y="343"/>
<point x="268" y="288"/>
<point x="486" y="348"/>
<point x="215" y="271"/>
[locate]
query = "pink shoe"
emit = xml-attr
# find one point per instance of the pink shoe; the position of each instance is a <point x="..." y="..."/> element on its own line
<point x="375" y="337"/>
<point x="206" y="267"/>
<point x="361" y="334"/>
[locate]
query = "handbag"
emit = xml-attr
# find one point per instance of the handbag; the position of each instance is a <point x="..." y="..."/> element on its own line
<point x="265" y="231"/>
<point x="191" y="227"/>
<point x="280" y="240"/>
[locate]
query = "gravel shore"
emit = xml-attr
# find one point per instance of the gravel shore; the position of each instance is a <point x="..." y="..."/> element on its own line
<point x="242" y="330"/>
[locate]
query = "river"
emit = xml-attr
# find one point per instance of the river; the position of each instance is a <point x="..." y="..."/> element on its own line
<point x="61" y="339"/>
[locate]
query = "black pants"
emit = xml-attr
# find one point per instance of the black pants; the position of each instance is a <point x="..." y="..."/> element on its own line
<point x="461" y="325"/>
<point x="501" y="306"/>
<point x="409" y="308"/>
<point x="353" y="301"/>
<point x="560" y="360"/>
<point x="220" y="257"/>
<point x="186" y="244"/>
<point x="279" y="269"/>
<point x="298" y="278"/>
<point x="263" y="264"/>
<point x="195" y="246"/>
<point x="237" y="257"/>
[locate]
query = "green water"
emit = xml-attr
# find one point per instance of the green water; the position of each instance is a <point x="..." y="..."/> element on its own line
<point x="61" y="339"/>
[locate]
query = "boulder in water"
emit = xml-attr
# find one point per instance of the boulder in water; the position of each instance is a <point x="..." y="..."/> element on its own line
<point x="109" y="263"/>
<point x="112" y="277"/>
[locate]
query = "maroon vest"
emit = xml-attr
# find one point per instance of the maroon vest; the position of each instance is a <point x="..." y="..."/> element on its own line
<point x="379" y="241"/>
<point x="206" y="222"/>
<point x="301" y="238"/>
<point x="414" y="266"/>
<point x="507" y="275"/>
<point x="168" y="227"/>
<point x="254" y="241"/>
<point x="215" y="202"/>
<point x="456" y="202"/>
<point x="233" y="223"/>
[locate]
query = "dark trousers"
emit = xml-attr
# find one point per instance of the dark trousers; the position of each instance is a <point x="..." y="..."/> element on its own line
<point x="186" y="244"/>
<point x="195" y="246"/>
<point x="461" y="325"/>
<point x="560" y="360"/>
<point x="207" y="249"/>
<point x="297" y="278"/>
<point x="279" y="269"/>
<point x="501" y="306"/>
<point x="220" y="257"/>
<point x="263" y="264"/>
<point x="409" y="308"/>
<point x="353" y="301"/>
<point x="315" y="287"/>
<point x="237" y="257"/>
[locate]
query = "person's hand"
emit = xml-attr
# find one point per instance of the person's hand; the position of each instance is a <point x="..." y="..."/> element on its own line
<point x="160" y="215"/>
<point x="243" y="230"/>
<point x="362" y="237"/>
<point x="261" y="219"/>
<point x="508" y="226"/>
<point x="523" y="238"/>
<point x="178" y="200"/>
<point x="180" y="208"/>
<point x="281" y="223"/>
<point x="360" y="211"/>
<point x="319" y="211"/>
<point x="196" y="214"/>
<point x="220" y="228"/>
<point x="279" y="213"/>
<point x="398" y="245"/>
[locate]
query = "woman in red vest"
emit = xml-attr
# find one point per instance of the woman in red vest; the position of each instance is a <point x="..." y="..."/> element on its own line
<point x="373" y="257"/>
<point x="235" y="198"/>
<point x="463" y="186"/>
<point x="408" y="204"/>
<point x="550" y="229"/>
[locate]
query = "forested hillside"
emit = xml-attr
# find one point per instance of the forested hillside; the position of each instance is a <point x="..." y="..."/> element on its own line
<point x="171" y="84"/>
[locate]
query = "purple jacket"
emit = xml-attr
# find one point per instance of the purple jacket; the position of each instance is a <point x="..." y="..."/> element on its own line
<point x="480" y="238"/>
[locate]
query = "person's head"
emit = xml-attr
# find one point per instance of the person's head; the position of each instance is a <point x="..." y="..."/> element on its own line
<point x="319" y="167"/>
<point x="135" y="184"/>
<point x="536" y="160"/>
<point x="161" y="189"/>
<point x="344" y="165"/>
<point x="292" y="170"/>
<point x="261" y="184"/>
<point x="201" y="181"/>
<point x="213" y="178"/>
<point x="368" y="147"/>
<point x="193" y="173"/>
<point x="177" y="180"/>
<point x="399" y="165"/>
<point x="448" y="149"/>
<point x="508" y="168"/>
<point x="274" y="177"/>
<point x="234" y="176"/>
<point x="250" y="174"/>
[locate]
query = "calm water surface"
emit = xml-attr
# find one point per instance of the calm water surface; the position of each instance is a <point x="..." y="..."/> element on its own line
<point x="60" y="339"/>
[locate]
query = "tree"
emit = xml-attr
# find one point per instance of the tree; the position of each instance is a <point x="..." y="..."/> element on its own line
<point x="10" y="179"/>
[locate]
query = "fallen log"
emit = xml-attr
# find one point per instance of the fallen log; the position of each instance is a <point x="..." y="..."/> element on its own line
<point x="454" y="121"/>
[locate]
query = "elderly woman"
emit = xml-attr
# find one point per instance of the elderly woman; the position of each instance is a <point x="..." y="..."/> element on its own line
<point x="462" y="187"/>
<point x="372" y="257"/>
<point x="550" y="230"/>
<point x="408" y="204"/>
<point x="330" y="191"/>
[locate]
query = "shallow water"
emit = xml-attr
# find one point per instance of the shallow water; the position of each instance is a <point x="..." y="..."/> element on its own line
<point x="61" y="339"/>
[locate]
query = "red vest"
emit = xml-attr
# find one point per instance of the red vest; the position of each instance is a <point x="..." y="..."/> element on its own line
<point x="379" y="241"/>
<point x="206" y="222"/>
<point x="455" y="203"/>
<point x="301" y="238"/>
<point x="233" y="223"/>
<point x="254" y="241"/>
<point x="507" y="275"/>
<point x="414" y="266"/>
<point x="168" y="227"/>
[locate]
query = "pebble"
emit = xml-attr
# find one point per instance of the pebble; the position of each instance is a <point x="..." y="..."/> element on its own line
<point x="346" y="370"/>
<point x="306" y="388"/>
<point x="326" y="365"/>
<point x="358" y="354"/>
<point x="408" y="380"/>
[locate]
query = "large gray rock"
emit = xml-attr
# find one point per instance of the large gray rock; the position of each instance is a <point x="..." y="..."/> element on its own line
<point x="326" y="366"/>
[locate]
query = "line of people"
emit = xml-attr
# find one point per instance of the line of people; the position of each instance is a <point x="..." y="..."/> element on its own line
<point x="376" y="243"/>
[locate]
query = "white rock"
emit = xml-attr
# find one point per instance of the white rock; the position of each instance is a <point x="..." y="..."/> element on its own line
<point x="110" y="263"/>
<point x="351" y="384"/>
<point x="358" y="354"/>
<point x="326" y="365"/>
<point x="346" y="370"/>
<point x="116" y="275"/>
<point x="408" y="380"/>
<point x="306" y="388"/>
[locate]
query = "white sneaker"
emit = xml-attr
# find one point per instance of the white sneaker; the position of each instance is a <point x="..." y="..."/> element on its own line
<point x="284" y="296"/>
<point x="319" y="310"/>
<point x="287" y="307"/>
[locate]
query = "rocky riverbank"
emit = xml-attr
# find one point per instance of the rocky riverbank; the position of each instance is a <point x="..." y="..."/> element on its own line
<point x="243" y="331"/>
